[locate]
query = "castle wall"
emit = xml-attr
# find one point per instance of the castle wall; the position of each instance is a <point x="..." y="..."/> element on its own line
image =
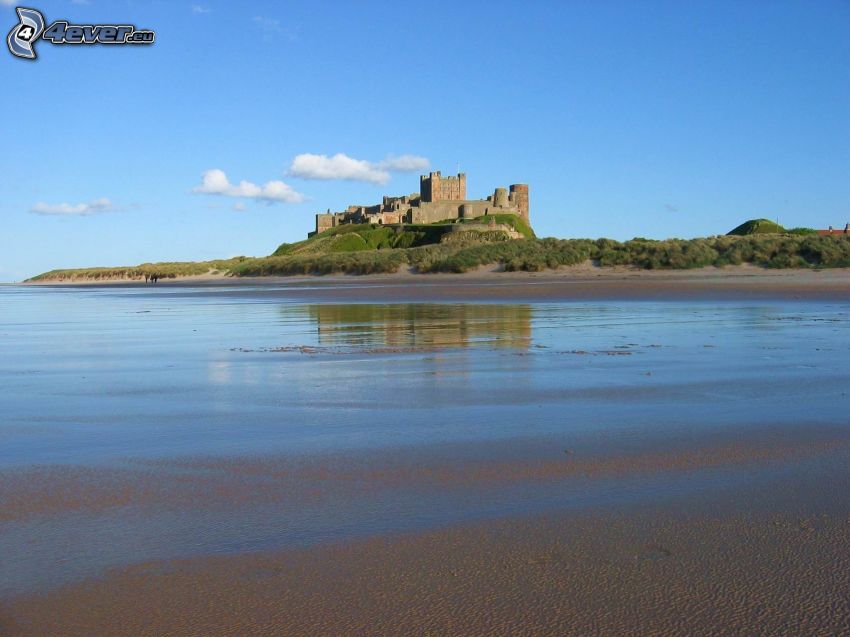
<point x="326" y="221"/>
<point x="470" y="209"/>
<point x="433" y="212"/>
<point x="385" y="218"/>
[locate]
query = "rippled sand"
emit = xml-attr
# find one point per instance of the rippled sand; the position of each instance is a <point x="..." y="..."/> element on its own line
<point x="648" y="573"/>
<point x="764" y="556"/>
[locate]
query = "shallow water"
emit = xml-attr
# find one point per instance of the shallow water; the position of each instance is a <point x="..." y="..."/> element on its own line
<point x="140" y="424"/>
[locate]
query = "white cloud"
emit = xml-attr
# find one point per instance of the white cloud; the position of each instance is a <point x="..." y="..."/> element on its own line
<point x="239" y="206"/>
<point x="197" y="8"/>
<point x="8" y="3"/>
<point x="404" y="163"/>
<point x="81" y="209"/>
<point x="215" y="182"/>
<point x="341" y="166"/>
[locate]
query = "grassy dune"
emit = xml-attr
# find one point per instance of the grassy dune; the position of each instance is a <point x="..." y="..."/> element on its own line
<point x="771" y="251"/>
<point x="342" y="251"/>
<point x="165" y="270"/>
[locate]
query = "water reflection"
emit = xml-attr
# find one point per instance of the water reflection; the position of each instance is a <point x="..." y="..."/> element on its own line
<point x="421" y="326"/>
<point x="120" y="389"/>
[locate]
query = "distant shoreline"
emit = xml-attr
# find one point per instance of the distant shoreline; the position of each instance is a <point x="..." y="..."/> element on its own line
<point x="487" y="283"/>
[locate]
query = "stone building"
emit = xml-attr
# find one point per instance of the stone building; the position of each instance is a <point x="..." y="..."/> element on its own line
<point x="435" y="187"/>
<point x="439" y="198"/>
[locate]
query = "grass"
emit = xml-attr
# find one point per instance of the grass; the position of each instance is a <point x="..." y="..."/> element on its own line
<point x="374" y="262"/>
<point x="770" y="251"/>
<point x="360" y="237"/>
<point x="517" y="223"/>
<point x="342" y="251"/>
<point x="357" y="237"/>
<point x="166" y="270"/>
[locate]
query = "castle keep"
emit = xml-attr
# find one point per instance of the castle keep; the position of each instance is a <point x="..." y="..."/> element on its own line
<point x="439" y="198"/>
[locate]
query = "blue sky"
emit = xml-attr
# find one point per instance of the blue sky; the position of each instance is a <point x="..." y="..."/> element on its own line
<point x="626" y="119"/>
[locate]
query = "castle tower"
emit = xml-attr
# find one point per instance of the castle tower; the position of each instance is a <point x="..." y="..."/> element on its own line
<point x="500" y="198"/>
<point x="519" y="197"/>
<point x="435" y="187"/>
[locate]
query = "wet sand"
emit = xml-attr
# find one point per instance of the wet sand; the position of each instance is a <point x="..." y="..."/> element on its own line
<point x="585" y="282"/>
<point x="655" y="572"/>
<point x="196" y="483"/>
<point x="766" y="557"/>
<point x="208" y="460"/>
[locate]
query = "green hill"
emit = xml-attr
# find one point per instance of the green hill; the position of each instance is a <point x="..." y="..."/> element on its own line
<point x="758" y="226"/>
<point x="360" y="237"/>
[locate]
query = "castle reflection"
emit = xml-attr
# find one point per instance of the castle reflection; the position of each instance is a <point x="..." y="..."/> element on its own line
<point x="423" y="326"/>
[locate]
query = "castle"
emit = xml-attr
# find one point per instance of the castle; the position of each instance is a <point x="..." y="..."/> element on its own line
<point x="440" y="198"/>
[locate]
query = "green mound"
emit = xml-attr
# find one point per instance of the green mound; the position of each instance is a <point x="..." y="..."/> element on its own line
<point x="758" y="226"/>
<point x="326" y="243"/>
<point x="352" y="242"/>
<point x="357" y="237"/>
